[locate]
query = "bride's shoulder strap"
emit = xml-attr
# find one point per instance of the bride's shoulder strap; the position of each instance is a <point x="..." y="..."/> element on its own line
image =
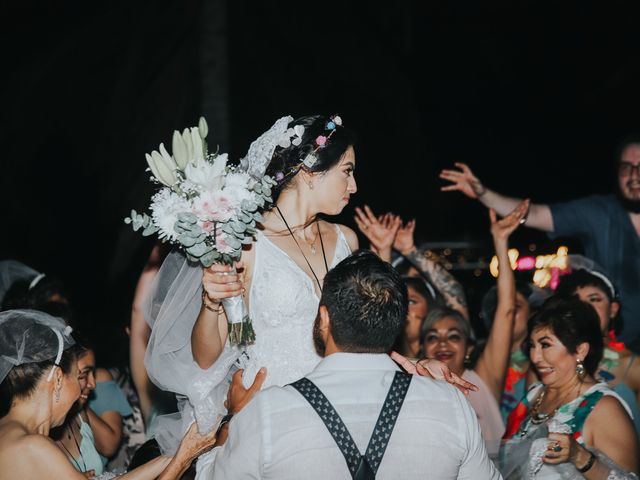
<point x="349" y="235"/>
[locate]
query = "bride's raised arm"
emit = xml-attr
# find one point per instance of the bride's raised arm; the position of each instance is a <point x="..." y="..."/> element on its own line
<point x="209" y="333"/>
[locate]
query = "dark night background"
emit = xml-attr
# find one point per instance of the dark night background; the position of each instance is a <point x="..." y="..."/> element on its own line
<point x="532" y="95"/>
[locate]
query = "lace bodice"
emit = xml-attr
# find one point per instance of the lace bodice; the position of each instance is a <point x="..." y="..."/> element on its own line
<point x="283" y="307"/>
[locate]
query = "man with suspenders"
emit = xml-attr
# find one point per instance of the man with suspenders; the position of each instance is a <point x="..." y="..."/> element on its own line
<point x="356" y="415"/>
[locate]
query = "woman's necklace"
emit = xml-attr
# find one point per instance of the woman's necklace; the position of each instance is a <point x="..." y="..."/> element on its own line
<point x="536" y="417"/>
<point x="71" y="434"/>
<point x="313" y="250"/>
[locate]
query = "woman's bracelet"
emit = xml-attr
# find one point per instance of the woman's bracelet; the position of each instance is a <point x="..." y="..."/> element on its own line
<point x="589" y="464"/>
<point x="215" y="308"/>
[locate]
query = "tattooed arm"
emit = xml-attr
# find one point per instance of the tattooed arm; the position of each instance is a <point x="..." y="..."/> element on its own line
<point x="440" y="278"/>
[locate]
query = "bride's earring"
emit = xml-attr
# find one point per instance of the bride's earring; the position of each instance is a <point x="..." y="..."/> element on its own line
<point x="310" y="185"/>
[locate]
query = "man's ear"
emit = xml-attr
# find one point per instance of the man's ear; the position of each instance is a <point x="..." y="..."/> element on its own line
<point x="325" y="322"/>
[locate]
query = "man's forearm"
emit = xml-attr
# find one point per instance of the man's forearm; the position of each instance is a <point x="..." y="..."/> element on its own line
<point x="539" y="215"/>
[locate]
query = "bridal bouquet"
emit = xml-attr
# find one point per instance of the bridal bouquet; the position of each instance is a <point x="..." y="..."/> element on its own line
<point x="207" y="207"/>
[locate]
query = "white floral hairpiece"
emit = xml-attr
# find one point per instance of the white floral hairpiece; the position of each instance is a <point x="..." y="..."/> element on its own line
<point x="295" y="133"/>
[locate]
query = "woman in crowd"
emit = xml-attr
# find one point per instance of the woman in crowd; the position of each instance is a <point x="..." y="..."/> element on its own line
<point x="529" y="297"/>
<point x="38" y="386"/>
<point x="568" y="425"/>
<point x="75" y="436"/>
<point x="619" y="367"/>
<point x="420" y="300"/>
<point x="448" y="337"/>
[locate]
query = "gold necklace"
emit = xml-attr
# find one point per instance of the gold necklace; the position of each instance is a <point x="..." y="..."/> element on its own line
<point x="537" y="418"/>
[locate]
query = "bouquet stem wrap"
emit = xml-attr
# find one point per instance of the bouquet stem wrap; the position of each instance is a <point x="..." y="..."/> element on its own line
<point x="239" y="323"/>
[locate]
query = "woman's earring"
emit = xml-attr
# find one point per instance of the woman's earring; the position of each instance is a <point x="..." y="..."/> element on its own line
<point x="467" y="360"/>
<point x="57" y="391"/>
<point x="580" y="371"/>
<point x="310" y="185"/>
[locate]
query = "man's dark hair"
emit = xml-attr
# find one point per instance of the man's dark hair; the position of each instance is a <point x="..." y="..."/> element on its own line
<point x="367" y="303"/>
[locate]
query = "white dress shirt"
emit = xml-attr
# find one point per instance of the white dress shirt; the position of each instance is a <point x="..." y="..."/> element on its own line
<point x="278" y="435"/>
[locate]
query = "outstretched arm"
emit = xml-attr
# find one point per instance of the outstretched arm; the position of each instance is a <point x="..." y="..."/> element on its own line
<point x="439" y="276"/>
<point x="492" y="364"/>
<point x="465" y="181"/>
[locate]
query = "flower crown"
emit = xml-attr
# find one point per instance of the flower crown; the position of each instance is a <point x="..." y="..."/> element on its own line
<point x="321" y="141"/>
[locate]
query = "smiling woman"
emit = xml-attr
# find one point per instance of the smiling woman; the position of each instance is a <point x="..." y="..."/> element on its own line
<point x="566" y="409"/>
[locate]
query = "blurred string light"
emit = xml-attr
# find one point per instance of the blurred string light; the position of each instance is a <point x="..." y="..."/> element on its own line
<point x="457" y="256"/>
<point x="548" y="268"/>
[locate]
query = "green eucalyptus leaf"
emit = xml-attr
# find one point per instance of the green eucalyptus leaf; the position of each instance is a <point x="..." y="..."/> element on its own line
<point x="233" y="242"/>
<point x="238" y="227"/>
<point x="186" y="240"/>
<point x="199" y="249"/>
<point x="149" y="230"/>
<point x="187" y="217"/>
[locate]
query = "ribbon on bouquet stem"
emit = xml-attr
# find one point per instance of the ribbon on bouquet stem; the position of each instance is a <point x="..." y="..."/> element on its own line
<point x="239" y="323"/>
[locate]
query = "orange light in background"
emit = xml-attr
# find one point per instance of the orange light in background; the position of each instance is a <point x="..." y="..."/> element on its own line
<point x="548" y="268"/>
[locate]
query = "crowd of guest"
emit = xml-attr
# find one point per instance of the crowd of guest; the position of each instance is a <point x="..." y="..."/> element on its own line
<point x="552" y="390"/>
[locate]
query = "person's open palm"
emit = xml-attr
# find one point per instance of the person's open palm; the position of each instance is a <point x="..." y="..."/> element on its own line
<point x="463" y="180"/>
<point x="503" y="228"/>
<point x="404" y="241"/>
<point x="381" y="231"/>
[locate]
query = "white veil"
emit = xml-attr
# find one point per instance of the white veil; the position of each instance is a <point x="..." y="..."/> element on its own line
<point x="171" y="311"/>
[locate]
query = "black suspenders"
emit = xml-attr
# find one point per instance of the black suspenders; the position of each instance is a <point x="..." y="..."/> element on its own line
<point x="361" y="467"/>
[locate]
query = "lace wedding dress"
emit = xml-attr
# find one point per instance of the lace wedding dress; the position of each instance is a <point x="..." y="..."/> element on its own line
<point x="282" y="304"/>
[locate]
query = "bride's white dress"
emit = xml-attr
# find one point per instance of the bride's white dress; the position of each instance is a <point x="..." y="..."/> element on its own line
<point x="282" y="305"/>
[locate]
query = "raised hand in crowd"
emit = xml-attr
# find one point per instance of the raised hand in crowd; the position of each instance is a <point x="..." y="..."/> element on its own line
<point x="492" y="364"/>
<point x="379" y="230"/>
<point x="403" y="241"/>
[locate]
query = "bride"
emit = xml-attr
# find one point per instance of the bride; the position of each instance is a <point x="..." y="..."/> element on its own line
<point x="279" y="276"/>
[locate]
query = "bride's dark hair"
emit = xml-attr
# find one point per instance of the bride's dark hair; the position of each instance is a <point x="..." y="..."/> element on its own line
<point x="286" y="162"/>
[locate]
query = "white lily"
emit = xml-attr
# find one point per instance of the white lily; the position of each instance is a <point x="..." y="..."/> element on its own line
<point x="167" y="159"/>
<point x="180" y="152"/>
<point x="161" y="171"/>
<point x="163" y="167"/>
<point x="198" y="147"/>
<point x="186" y="136"/>
<point x="203" y="128"/>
